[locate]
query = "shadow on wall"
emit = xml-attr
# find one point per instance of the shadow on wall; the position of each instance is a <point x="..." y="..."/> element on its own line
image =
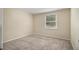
<point x="1" y="15"/>
<point x="0" y="36"/>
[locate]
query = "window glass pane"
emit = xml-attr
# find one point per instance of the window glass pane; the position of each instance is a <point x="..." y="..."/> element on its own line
<point x="51" y="24"/>
<point x="50" y="18"/>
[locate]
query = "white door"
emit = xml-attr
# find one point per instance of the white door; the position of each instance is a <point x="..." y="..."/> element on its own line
<point x="75" y="27"/>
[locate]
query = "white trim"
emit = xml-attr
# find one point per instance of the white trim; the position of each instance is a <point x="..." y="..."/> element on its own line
<point x="51" y="21"/>
<point x="32" y="34"/>
<point x="15" y="38"/>
<point x="52" y="37"/>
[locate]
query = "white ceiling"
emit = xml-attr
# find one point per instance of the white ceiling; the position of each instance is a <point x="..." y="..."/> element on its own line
<point x="39" y="10"/>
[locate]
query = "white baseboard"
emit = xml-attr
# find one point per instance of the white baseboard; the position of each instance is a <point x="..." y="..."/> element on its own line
<point x="51" y="36"/>
<point x="15" y="38"/>
<point x="34" y="33"/>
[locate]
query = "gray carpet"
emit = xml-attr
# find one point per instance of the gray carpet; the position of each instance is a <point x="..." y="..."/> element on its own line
<point x="37" y="42"/>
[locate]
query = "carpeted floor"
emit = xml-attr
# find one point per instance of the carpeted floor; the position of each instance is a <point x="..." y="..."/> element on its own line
<point x="37" y="42"/>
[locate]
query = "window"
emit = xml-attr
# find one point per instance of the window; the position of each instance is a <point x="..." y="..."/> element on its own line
<point x="51" y="22"/>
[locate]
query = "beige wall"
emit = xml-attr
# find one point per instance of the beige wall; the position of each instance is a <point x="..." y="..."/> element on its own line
<point x="63" y="21"/>
<point x="75" y="27"/>
<point x="17" y="24"/>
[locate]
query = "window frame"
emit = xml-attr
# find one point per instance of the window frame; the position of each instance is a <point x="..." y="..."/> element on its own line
<point x="51" y="21"/>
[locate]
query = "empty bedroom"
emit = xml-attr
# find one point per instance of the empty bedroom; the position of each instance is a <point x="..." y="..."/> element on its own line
<point x="37" y="29"/>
